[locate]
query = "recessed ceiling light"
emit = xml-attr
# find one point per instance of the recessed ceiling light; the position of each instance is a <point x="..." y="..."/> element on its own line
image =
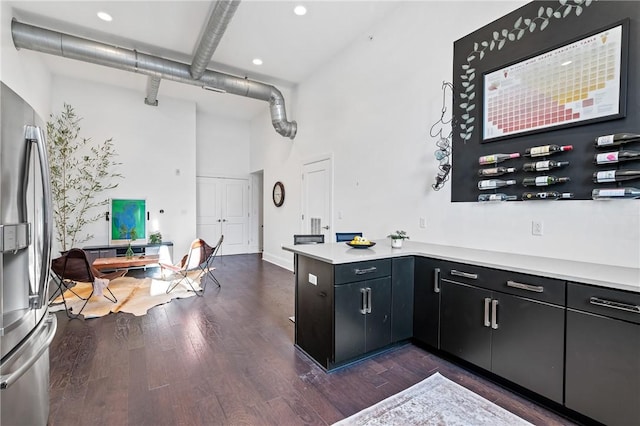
<point x="300" y="10"/>
<point x="257" y="61"/>
<point x="105" y="16"/>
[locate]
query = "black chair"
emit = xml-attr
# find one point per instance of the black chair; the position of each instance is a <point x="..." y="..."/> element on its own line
<point x="308" y="239"/>
<point x="74" y="267"/>
<point x="347" y="236"/>
<point x="198" y="260"/>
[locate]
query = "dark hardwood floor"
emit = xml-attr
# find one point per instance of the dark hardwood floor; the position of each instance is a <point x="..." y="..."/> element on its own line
<point x="228" y="358"/>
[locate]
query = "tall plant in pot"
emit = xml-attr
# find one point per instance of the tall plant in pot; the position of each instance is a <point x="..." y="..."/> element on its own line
<point x="81" y="171"/>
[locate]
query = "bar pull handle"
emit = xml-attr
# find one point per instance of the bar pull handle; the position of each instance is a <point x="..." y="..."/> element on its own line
<point x="436" y="280"/>
<point x="39" y="298"/>
<point x="528" y="287"/>
<point x="49" y="326"/>
<point x="464" y="274"/>
<point x="494" y="314"/>
<point x="615" y="305"/>
<point x="365" y="270"/>
<point x="368" y="300"/>
<point x="487" y="302"/>
<point x="363" y="301"/>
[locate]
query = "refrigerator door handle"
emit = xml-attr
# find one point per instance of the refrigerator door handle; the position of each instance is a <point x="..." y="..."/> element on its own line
<point x="36" y="134"/>
<point x="49" y="326"/>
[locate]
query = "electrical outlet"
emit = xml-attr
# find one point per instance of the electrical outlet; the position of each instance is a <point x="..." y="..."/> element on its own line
<point x="423" y="222"/>
<point x="536" y="228"/>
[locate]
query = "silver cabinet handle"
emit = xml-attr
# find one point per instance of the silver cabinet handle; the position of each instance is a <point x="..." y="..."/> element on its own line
<point x="615" y="305"/>
<point x="528" y="287"/>
<point x="363" y="301"/>
<point x="464" y="274"/>
<point x="365" y="271"/>
<point x="436" y="280"/>
<point x="368" y="300"/>
<point x="494" y="314"/>
<point x="487" y="302"/>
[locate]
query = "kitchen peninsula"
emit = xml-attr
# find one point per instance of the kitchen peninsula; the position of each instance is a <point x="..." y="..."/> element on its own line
<point x="544" y="325"/>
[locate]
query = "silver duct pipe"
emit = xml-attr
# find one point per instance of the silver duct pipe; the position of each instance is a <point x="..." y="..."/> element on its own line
<point x="55" y="43"/>
<point x="217" y="25"/>
<point x="153" y="84"/>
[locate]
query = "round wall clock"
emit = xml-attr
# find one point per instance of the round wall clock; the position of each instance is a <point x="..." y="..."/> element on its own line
<point x="278" y="194"/>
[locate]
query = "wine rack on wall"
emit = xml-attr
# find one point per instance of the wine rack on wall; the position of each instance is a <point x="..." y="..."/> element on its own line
<point x="527" y="32"/>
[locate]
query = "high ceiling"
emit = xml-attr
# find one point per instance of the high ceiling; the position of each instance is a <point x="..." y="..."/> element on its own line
<point x="291" y="47"/>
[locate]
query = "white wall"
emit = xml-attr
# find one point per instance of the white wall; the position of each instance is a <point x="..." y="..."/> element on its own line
<point x="23" y="71"/>
<point x="156" y="146"/>
<point x="222" y="146"/>
<point x="372" y="107"/>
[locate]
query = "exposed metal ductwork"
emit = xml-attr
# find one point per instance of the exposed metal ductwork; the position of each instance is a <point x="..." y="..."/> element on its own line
<point x="217" y="25"/>
<point x="55" y="43"/>
<point x="153" y="84"/>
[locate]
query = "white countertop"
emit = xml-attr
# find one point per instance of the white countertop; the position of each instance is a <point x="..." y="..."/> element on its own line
<point x="623" y="278"/>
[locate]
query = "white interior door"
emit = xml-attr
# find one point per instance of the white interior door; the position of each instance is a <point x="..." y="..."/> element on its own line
<point x="317" y="196"/>
<point x="223" y="208"/>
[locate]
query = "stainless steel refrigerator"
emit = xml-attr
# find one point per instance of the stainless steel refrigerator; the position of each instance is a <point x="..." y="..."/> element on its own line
<point x="27" y="327"/>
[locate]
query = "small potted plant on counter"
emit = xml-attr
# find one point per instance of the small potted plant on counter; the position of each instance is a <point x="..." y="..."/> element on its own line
<point x="397" y="238"/>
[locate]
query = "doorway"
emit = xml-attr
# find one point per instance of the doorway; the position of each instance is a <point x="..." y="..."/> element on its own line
<point x="317" y="197"/>
<point x="222" y="208"/>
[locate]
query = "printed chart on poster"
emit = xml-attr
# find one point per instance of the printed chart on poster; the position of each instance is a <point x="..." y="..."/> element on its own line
<point x="574" y="83"/>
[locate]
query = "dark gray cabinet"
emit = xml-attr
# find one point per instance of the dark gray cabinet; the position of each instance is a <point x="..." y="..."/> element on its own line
<point x="507" y="323"/>
<point x="426" y="302"/>
<point x="363" y="317"/>
<point x="314" y="309"/>
<point x="402" y="282"/>
<point x="603" y="354"/>
<point x="345" y="311"/>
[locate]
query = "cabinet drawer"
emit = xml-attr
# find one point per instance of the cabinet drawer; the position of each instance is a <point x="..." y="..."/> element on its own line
<point x="548" y="290"/>
<point x="619" y="304"/>
<point x="359" y="271"/>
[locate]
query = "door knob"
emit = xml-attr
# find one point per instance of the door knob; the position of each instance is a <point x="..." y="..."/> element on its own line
<point x="326" y="227"/>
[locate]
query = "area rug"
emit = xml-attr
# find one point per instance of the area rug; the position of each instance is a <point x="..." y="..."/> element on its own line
<point x="134" y="295"/>
<point x="434" y="401"/>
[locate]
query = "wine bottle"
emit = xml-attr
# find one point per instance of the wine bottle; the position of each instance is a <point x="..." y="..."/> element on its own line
<point x="540" y="166"/>
<point x="496" y="197"/>
<point x="613" y="193"/>
<point x="606" y="176"/>
<point x="541" y="151"/>
<point x="616" y="157"/>
<point x="547" y="195"/>
<point x="616" y="139"/>
<point x="497" y="158"/>
<point x="494" y="183"/>
<point x="544" y="180"/>
<point x="496" y="171"/>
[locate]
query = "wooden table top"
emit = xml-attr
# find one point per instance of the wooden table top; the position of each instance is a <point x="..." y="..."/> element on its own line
<point x="124" y="262"/>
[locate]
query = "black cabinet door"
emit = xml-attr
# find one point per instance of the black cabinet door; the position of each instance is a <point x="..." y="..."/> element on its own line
<point x="462" y="328"/>
<point x="603" y="368"/>
<point x="350" y="302"/>
<point x="378" y="319"/>
<point x="527" y="347"/>
<point x="402" y="278"/>
<point x="426" y="302"/>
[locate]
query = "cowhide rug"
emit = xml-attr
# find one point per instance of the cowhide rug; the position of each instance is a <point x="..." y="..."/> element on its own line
<point x="134" y="295"/>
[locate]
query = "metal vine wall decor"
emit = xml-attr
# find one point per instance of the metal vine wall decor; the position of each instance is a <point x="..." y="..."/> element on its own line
<point x="443" y="142"/>
<point x="520" y="27"/>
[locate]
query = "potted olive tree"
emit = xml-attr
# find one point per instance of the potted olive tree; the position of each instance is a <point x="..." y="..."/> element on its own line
<point x="81" y="171"/>
<point x="397" y="238"/>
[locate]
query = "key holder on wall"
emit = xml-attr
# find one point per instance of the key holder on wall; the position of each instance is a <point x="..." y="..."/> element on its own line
<point x="443" y="143"/>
